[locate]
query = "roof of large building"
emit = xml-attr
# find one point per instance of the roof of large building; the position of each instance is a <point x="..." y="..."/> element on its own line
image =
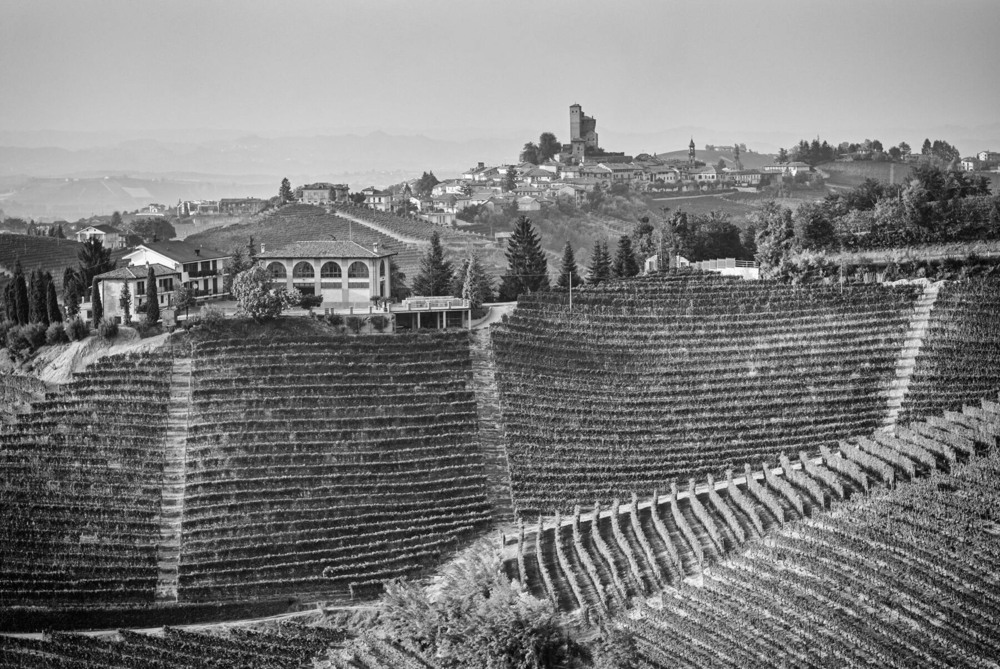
<point x="183" y="252"/>
<point x="325" y="249"/>
<point x="137" y="272"/>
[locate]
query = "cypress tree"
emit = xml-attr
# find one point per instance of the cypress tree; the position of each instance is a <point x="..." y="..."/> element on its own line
<point x="125" y="303"/>
<point x="52" y="303"/>
<point x="39" y="298"/>
<point x="527" y="269"/>
<point x="435" y="275"/>
<point x="625" y="264"/>
<point x="477" y="287"/>
<point x="71" y="292"/>
<point x="600" y="264"/>
<point x="152" y="302"/>
<point x="97" y="309"/>
<point x="568" y="269"/>
<point x="20" y="295"/>
<point x="9" y="303"/>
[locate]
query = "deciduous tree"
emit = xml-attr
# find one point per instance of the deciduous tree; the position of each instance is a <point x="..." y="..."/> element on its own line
<point x="256" y="296"/>
<point x="548" y="147"/>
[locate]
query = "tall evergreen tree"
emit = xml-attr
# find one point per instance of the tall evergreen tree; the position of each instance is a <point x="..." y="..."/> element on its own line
<point x="152" y="301"/>
<point x="71" y="292"/>
<point x="37" y="309"/>
<point x="477" y="286"/>
<point x="94" y="259"/>
<point x="125" y="304"/>
<point x="625" y="264"/>
<point x="600" y="264"/>
<point x="527" y="269"/>
<point x="21" y="303"/>
<point x="97" y="309"/>
<point x="52" y="303"/>
<point x="285" y="192"/>
<point x="9" y="310"/>
<point x="60" y="233"/>
<point x="435" y="272"/>
<point x="510" y="180"/>
<point x="568" y="270"/>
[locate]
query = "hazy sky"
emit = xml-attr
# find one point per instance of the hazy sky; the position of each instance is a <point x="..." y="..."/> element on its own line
<point x="427" y="66"/>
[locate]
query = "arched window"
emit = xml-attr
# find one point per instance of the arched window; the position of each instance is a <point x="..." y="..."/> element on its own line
<point x="303" y="270"/>
<point x="357" y="270"/>
<point x="277" y="270"/>
<point x="330" y="270"/>
<point x="381" y="268"/>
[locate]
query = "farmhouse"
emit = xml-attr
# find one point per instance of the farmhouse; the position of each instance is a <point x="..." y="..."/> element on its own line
<point x="200" y="268"/>
<point x="245" y="205"/>
<point x="135" y="276"/>
<point x="346" y="274"/>
<point x="109" y="237"/>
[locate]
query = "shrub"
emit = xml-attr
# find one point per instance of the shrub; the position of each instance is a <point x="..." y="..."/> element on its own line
<point x="5" y="327"/>
<point x="107" y="329"/>
<point x="26" y="338"/>
<point x="77" y="329"/>
<point x="379" y="323"/>
<point x="145" y="329"/>
<point x="355" y="323"/>
<point x="211" y="315"/>
<point x="336" y="320"/>
<point x="310" y="302"/>
<point x="56" y="334"/>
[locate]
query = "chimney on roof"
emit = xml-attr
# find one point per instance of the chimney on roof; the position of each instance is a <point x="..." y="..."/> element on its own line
<point x="375" y="247"/>
<point x="482" y="165"/>
<point x="262" y="247"/>
<point x="197" y="252"/>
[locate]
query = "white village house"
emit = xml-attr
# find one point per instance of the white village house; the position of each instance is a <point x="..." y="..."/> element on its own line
<point x="109" y="236"/>
<point x="200" y="268"/>
<point x="135" y="276"/>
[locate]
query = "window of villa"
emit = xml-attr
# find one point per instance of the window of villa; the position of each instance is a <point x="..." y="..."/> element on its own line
<point x="303" y="270"/>
<point x="330" y="270"/>
<point x="357" y="270"/>
<point x="277" y="270"/>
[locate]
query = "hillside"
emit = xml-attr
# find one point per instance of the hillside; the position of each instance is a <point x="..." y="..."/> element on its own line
<point x="303" y="222"/>
<point x="852" y="174"/>
<point x="749" y="160"/>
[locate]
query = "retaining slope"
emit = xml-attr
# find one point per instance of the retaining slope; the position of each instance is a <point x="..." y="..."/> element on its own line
<point x="168" y="549"/>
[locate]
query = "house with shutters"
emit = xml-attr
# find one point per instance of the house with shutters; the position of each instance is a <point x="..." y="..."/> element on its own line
<point x="110" y="237"/>
<point x="112" y="284"/>
<point x="345" y="273"/>
<point x="200" y="268"/>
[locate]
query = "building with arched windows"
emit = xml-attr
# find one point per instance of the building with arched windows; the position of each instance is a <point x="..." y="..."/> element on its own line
<point x="346" y="274"/>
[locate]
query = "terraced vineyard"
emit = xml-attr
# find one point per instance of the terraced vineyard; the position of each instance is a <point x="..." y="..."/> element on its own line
<point x="290" y="646"/>
<point x="81" y="485"/>
<point x="309" y="466"/>
<point x="328" y="465"/>
<point x="662" y="378"/>
<point x="900" y="578"/>
<point x="45" y="253"/>
<point x="960" y="360"/>
<point x="634" y="551"/>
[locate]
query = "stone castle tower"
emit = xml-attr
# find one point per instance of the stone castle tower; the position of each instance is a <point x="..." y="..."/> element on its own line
<point x="582" y="132"/>
<point x="691" y="151"/>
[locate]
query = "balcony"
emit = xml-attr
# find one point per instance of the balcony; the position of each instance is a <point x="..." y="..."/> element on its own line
<point x="199" y="274"/>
